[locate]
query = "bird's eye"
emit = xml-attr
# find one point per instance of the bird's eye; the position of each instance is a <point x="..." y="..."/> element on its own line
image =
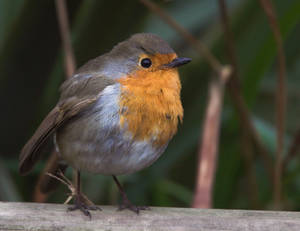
<point x="146" y="63"/>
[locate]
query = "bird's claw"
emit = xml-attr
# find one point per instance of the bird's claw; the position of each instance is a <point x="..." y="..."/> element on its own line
<point x="83" y="204"/>
<point x="126" y="204"/>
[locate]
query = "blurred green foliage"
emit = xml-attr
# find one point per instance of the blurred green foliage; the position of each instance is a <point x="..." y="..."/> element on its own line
<point x="31" y="71"/>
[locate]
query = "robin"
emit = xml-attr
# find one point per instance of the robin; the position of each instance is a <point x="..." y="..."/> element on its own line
<point x="116" y="114"/>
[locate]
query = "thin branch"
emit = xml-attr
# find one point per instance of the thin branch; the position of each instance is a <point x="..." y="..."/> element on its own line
<point x="62" y="15"/>
<point x="229" y="43"/>
<point x="38" y="196"/>
<point x="70" y="65"/>
<point x="64" y="180"/>
<point x="247" y="153"/>
<point x="245" y="119"/>
<point x="293" y="150"/>
<point x="235" y="89"/>
<point x="207" y="155"/>
<point x="280" y="97"/>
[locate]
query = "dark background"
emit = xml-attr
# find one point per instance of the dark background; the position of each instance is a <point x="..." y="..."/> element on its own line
<point x="31" y="70"/>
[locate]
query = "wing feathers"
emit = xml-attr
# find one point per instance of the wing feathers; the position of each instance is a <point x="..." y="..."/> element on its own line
<point x="29" y="152"/>
<point x="77" y="94"/>
<point x="58" y="116"/>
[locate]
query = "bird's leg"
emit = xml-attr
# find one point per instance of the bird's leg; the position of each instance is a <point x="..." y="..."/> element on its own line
<point x="81" y="202"/>
<point x="126" y="204"/>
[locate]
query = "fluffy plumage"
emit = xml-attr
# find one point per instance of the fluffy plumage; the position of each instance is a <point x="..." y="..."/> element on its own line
<point x="114" y="116"/>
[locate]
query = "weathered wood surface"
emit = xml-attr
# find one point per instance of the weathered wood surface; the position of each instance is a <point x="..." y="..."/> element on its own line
<point x="34" y="216"/>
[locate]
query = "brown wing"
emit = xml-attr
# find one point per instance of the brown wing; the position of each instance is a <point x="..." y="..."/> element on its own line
<point x="82" y="94"/>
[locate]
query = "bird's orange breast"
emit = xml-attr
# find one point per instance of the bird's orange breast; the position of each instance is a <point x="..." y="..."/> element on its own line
<point x="150" y="105"/>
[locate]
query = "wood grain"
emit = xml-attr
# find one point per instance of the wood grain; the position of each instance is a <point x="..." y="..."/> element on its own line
<point x="49" y="217"/>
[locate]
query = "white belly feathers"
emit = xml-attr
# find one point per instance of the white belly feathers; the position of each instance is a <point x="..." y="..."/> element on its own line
<point x="102" y="146"/>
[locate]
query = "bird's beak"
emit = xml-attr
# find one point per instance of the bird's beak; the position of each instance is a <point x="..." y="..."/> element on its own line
<point x="178" y="62"/>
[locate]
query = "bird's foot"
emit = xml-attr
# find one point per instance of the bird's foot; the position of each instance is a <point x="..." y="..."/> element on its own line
<point x="126" y="204"/>
<point x="82" y="203"/>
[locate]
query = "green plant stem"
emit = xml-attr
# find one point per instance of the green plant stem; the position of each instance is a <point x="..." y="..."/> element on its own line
<point x="280" y="99"/>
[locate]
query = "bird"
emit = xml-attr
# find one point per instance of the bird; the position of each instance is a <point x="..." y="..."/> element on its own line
<point x="115" y="115"/>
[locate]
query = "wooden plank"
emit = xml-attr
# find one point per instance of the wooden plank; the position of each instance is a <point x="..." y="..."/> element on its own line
<point x="49" y="217"/>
